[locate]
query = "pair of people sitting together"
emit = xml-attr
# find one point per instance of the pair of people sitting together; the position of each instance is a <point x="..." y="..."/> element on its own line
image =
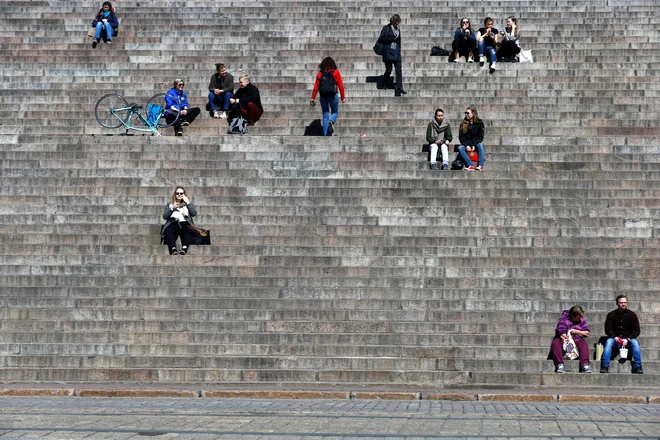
<point x="470" y="136"/>
<point x="487" y="41"/>
<point x="621" y="330"/>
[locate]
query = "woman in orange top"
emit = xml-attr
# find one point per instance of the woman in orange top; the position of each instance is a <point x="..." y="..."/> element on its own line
<point x="329" y="86"/>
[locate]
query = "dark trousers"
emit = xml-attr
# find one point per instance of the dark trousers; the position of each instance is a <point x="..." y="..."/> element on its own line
<point x="388" y="73"/>
<point x="250" y="112"/>
<point x="508" y="49"/>
<point x="192" y="114"/>
<point x="177" y="230"/>
<point x="463" y="47"/>
<point x="558" y="354"/>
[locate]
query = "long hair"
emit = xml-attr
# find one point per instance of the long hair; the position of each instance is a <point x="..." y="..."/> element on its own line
<point x="486" y="20"/>
<point x="185" y="193"/>
<point x="328" y="64"/>
<point x="460" y="25"/>
<point x="515" y="21"/>
<point x="465" y="125"/>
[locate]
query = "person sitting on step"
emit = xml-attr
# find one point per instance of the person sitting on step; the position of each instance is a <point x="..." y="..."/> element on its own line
<point x="178" y="214"/>
<point x="571" y="322"/>
<point x="622" y="330"/>
<point x="465" y="41"/>
<point x="176" y="100"/>
<point x="221" y="88"/>
<point x="471" y="136"/>
<point x="246" y="101"/>
<point x="438" y="134"/>
<point x="105" y="24"/>
<point x="330" y="87"/>
<point x="510" y="45"/>
<point x="486" y="42"/>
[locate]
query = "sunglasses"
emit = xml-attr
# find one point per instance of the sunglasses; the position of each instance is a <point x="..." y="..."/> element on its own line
<point x="466" y="22"/>
<point x="181" y="85"/>
<point x="467" y="113"/>
<point x="179" y="194"/>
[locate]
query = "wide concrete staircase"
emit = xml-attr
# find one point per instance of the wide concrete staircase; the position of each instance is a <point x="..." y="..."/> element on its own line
<point x="339" y="260"/>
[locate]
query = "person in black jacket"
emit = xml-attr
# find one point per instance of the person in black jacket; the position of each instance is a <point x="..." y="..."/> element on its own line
<point x="390" y="37"/>
<point x="178" y="215"/>
<point x="471" y="136"/>
<point x="221" y="89"/>
<point x="246" y="101"/>
<point x="622" y="330"/>
<point x="105" y="24"/>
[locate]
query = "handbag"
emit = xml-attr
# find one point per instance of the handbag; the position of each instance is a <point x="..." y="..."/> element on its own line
<point x="525" y="56"/>
<point x="91" y="32"/>
<point x="379" y="48"/>
<point x="569" y="348"/>
<point x="200" y="236"/>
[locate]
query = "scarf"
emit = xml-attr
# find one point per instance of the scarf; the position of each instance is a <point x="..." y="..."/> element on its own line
<point x="106" y="14"/>
<point x="396" y="31"/>
<point x="439" y="129"/>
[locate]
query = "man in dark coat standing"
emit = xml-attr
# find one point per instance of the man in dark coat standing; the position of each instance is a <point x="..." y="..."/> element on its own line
<point x="390" y="38"/>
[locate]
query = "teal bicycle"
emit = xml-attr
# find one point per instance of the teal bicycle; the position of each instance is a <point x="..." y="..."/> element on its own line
<point x="114" y="111"/>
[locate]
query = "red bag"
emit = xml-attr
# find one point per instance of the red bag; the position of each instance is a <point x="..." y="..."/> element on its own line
<point x="474" y="157"/>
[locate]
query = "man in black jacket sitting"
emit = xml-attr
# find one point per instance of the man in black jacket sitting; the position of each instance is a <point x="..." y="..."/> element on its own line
<point x="221" y="89"/>
<point x="622" y="330"/>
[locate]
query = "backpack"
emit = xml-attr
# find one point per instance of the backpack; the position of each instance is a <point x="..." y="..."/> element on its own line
<point x="154" y="113"/>
<point x="237" y="126"/>
<point x="458" y="163"/>
<point x="327" y="84"/>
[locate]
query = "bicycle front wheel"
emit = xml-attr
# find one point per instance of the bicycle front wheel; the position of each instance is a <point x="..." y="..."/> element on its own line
<point x="111" y="110"/>
<point x="156" y="107"/>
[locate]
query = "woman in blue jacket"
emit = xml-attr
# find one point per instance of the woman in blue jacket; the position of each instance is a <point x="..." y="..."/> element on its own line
<point x="105" y="22"/>
<point x="390" y="38"/>
<point x="465" y="41"/>
<point x="176" y="100"/>
<point x="471" y="136"/>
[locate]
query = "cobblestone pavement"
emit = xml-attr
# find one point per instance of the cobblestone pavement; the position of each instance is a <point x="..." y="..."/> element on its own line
<point x="243" y="419"/>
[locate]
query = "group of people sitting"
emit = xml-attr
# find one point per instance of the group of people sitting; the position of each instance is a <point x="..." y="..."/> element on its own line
<point x="486" y="42"/>
<point x="224" y="102"/>
<point x="470" y="136"/>
<point x="621" y="332"/>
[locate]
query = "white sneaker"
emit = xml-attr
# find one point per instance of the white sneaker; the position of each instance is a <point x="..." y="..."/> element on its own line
<point x="216" y="115"/>
<point x="493" y="66"/>
<point x="456" y="60"/>
<point x="482" y="60"/>
<point x="223" y="115"/>
<point x="470" y="60"/>
<point x="560" y="368"/>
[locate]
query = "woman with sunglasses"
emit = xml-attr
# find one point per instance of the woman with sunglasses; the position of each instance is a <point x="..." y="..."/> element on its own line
<point x="178" y="215"/>
<point x="465" y="41"/>
<point x="471" y="136"/>
<point x="177" y="100"/>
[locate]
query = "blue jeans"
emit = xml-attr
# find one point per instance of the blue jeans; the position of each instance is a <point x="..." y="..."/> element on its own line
<point x="491" y="50"/>
<point x="221" y="98"/>
<point x="329" y="105"/>
<point x="108" y="30"/>
<point x="466" y="158"/>
<point x="632" y="345"/>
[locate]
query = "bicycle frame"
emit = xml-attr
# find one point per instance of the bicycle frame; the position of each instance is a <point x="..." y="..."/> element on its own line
<point x="152" y="128"/>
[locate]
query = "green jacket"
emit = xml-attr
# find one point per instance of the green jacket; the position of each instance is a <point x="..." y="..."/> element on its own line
<point x="430" y="138"/>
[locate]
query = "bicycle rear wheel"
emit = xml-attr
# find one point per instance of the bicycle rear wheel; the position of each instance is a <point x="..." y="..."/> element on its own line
<point x="106" y="110"/>
<point x="157" y="116"/>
